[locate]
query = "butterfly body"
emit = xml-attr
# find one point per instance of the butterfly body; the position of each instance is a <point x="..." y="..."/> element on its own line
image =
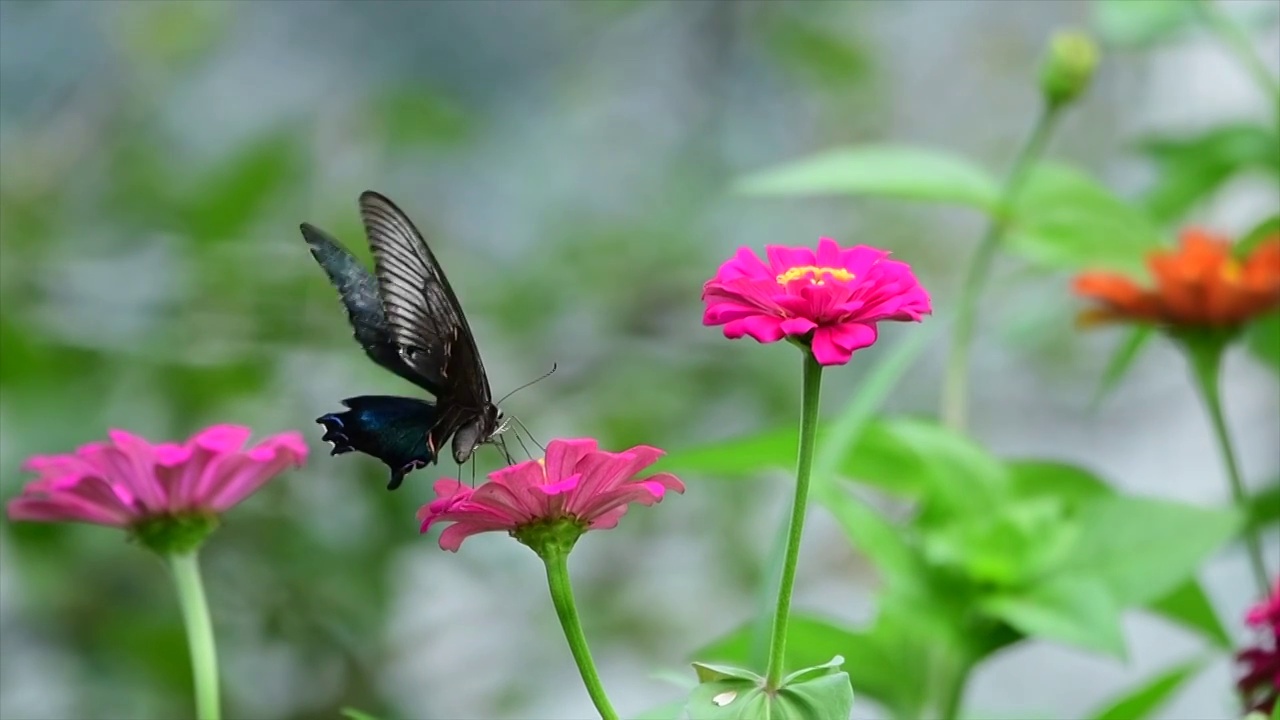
<point x="408" y="320"/>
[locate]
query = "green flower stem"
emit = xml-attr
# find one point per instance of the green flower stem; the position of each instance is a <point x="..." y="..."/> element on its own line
<point x="1241" y="46"/>
<point x="1206" y="363"/>
<point x="804" y="465"/>
<point x="562" y="597"/>
<point x="955" y="388"/>
<point x="953" y="693"/>
<point x="195" y="615"/>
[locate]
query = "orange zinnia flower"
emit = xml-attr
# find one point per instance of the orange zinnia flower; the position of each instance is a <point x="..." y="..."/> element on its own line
<point x="1200" y="284"/>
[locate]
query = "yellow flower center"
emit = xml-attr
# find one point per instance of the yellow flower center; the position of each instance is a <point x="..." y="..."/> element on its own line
<point x="1231" y="272"/>
<point x="816" y="275"/>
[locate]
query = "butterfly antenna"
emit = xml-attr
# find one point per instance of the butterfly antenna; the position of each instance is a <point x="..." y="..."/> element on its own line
<point x="544" y="376"/>
<point x="526" y="432"/>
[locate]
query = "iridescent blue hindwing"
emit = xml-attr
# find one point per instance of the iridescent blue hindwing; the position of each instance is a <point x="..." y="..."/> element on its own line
<point x="392" y="429"/>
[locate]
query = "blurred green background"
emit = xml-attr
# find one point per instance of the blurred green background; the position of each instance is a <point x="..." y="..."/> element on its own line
<point x="571" y="163"/>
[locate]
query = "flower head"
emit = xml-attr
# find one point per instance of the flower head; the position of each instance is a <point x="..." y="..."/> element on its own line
<point x="576" y="488"/>
<point x="1201" y="284"/>
<point x="1259" y="684"/>
<point x="830" y="300"/>
<point x="154" y="489"/>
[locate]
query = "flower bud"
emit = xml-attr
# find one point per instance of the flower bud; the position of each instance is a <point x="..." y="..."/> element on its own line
<point x="1068" y="67"/>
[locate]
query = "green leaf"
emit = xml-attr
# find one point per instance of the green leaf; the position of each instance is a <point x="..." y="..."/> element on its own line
<point x="1143" y="548"/>
<point x="411" y="116"/>
<point x="1188" y="606"/>
<point x="902" y="172"/>
<point x="1264" y="506"/>
<point x="728" y="700"/>
<point x="1008" y="546"/>
<point x="1066" y="220"/>
<point x="1191" y="169"/>
<point x="1076" y="611"/>
<point x="1072" y="485"/>
<point x="818" y="692"/>
<point x="817" y="52"/>
<point x="738" y="457"/>
<point x="1263" y="339"/>
<point x="1122" y="360"/>
<point x="354" y="714"/>
<point x="707" y="672"/>
<point x="877" y="538"/>
<point x="1146" y="699"/>
<point x="803" y="675"/>
<point x="1130" y="24"/>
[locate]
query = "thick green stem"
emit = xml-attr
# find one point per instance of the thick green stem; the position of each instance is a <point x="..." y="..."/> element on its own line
<point x="953" y="693"/>
<point x="809" y="401"/>
<point x="1206" y="364"/>
<point x="1241" y="47"/>
<point x="562" y="597"/>
<point x="955" y="388"/>
<point x="195" y="615"/>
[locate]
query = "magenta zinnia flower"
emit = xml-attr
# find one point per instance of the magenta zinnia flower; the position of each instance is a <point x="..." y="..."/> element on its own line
<point x="1259" y="684"/>
<point x="127" y="481"/>
<point x="830" y="300"/>
<point x="577" y="485"/>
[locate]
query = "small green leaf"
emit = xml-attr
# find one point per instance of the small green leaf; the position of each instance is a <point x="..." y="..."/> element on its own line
<point x="1076" y="611"/>
<point x="1188" y="606"/>
<point x="711" y="673"/>
<point x="1121" y="361"/>
<point x="816" y="51"/>
<point x="1073" y="486"/>
<point x="1263" y="340"/>
<point x="728" y="700"/>
<point x="1264" y="506"/>
<point x="901" y="172"/>
<point x="829" y="667"/>
<point x="1065" y="220"/>
<point x="1146" y="699"/>
<point x="1191" y="169"/>
<point x="825" y="697"/>
<point x="354" y="714"/>
<point x="1143" y="548"/>
<point x="1134" y="24"/>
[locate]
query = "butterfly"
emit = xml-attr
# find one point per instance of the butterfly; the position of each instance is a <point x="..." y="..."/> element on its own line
<point x="408" y="320"/>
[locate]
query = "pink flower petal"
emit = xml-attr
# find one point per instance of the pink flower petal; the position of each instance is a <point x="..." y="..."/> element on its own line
<point x="782" y="258"/>
<point x="763" y="329"/>
<point x="239" y="475"/>
<point x="797" y="326"/>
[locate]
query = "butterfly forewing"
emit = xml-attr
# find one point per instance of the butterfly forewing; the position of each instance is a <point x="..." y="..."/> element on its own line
<point x="423" y="314"/>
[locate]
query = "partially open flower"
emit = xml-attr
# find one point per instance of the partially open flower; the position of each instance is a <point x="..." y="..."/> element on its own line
<point x="1259" y="683"/>
<point x="830" y="300"/>
<point x="578" y="487"/>
<point x="160" y="492"/>
<point x="1201" y="284"/>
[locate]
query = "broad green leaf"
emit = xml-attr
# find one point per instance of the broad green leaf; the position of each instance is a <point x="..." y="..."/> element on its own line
<point x="1146" y="699"/>
<point x="873" y="535"/>
<point x="1188" y="606"/>
<point x="1122" y="360"/>
<point x="1009" y="546"/>
<point x="1264" y="506"/>
<point x="1076" y="611"/>
<point x="902" y="172"/>
<point x="1191" y="169"/>
<point x="1072" y="485"/>
<point x="1143" y="548"/>
<point x="1263" y="339"/>
<point x="958" y="476"/>
<point x="1130" y="24"/>
<point x="1066" y="220"/>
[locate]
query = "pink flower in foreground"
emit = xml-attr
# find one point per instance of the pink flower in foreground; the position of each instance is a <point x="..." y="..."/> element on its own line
<point x="830" y="300"/>
<point x="1259" y="684"/>
<point x="127" y="481"/>
<point x="577" y="482"/>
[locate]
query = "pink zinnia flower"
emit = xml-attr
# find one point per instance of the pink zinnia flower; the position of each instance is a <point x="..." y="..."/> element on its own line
<point x="578" y="483"/>
<point x="830" y="300"/>
<point x="1259" y="684"/>
<point x="127" y="481"/>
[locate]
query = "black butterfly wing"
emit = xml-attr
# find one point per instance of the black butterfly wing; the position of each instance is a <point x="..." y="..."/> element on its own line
<point x="359" y="291"/>
<point x="392" y="429"/>
<point x="422" y="312"/>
